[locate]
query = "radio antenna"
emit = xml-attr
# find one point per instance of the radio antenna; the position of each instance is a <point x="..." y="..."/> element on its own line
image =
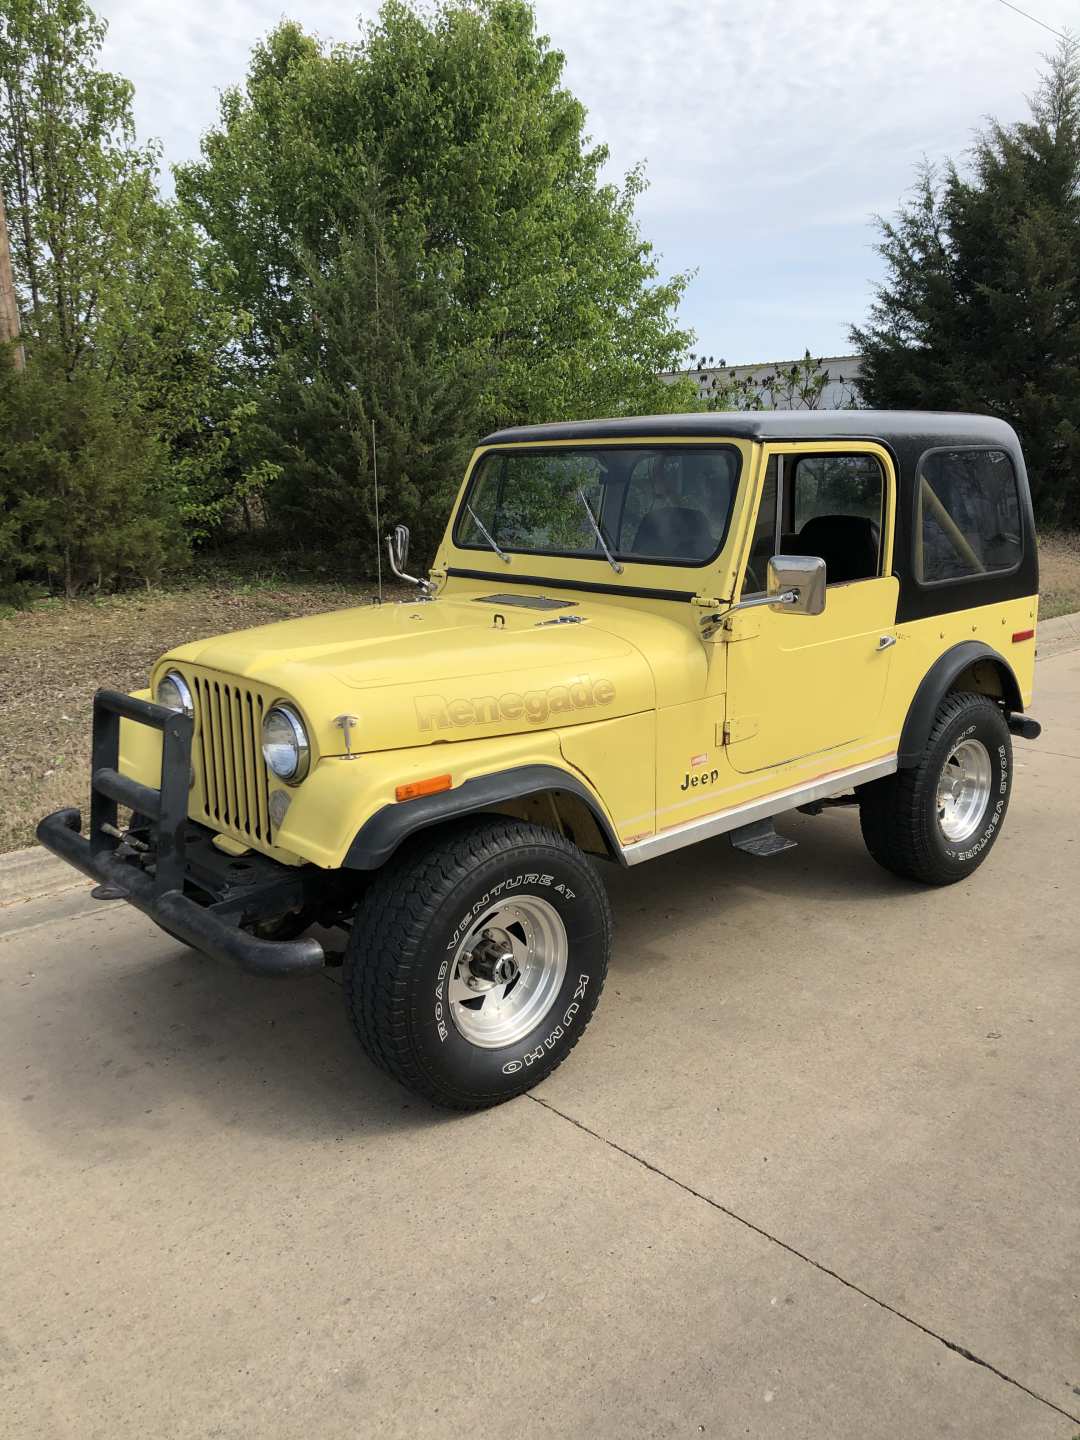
<point x="374" y="456"/>
<point x="378" y="527"/>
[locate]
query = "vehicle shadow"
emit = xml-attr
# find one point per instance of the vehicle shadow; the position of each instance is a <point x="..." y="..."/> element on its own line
<point x="138" y="1031"/>
<point x="143" y="1024"/>
<point x="829" y="870"/>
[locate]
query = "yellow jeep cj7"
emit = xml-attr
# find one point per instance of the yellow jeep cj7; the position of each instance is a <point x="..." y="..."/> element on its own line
<point x="637" y="634"/>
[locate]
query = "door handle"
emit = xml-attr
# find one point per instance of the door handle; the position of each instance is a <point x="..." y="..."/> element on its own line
<point x="885" y="642"/>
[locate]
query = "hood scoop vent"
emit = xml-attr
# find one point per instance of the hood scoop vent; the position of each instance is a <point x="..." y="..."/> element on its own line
<point x="526" y="602"/>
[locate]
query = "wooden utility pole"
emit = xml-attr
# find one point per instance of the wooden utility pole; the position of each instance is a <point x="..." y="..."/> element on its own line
<point x="9" y="305"/>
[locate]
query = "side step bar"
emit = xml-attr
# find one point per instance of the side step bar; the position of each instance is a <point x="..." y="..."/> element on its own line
<point x="760" y="839"/>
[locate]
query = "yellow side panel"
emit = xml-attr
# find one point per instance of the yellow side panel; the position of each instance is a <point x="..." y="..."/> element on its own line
<point x="692" y="765"/>
<point x="921" y="642"/>
<point x="616" y="758"/>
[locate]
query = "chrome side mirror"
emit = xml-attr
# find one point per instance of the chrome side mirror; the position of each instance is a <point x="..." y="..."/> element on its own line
<point x="398" y="543"/>
<point x="397" y="548"/>
<point x="796" y="583"/>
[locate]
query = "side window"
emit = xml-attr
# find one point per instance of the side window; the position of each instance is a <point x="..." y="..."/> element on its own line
<point x="833" y="509"/>
<point x="763" y="545"/>
<point x="829" y="506"/>
<point x="967" y="515"/>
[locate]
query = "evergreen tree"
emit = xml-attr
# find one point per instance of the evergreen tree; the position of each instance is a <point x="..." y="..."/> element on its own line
<point x="369" y="364"/>
<point x="116" y="319"/>
<point x="83" y="484"/>
<point x="980" y="308"/>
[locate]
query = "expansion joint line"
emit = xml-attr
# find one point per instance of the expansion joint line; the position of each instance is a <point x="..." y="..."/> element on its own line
<point x="806" y="1259"/>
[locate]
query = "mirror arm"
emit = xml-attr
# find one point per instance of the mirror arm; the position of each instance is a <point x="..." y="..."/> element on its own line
<point x="784" y="597"/>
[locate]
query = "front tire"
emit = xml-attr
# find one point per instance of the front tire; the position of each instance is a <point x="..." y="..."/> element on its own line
<point x="937" y="821"/>
<point x="476" y="960"/>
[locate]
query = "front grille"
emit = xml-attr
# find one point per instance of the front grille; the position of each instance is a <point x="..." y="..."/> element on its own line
<point x="231" y="781"/>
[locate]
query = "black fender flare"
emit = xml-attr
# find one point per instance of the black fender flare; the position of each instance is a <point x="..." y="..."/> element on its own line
<point x="936" y="684"/>
<point x="382" y="833"/>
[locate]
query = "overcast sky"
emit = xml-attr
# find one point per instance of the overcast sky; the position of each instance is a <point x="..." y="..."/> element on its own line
<point x="771" y="129"/>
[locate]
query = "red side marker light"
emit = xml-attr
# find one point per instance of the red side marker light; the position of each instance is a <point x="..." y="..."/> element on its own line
<point x="423" y="787"/>
<point x="1019" y="635"/>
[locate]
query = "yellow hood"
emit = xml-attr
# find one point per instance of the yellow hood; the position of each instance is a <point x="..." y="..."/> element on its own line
<point x="449" y="669"/>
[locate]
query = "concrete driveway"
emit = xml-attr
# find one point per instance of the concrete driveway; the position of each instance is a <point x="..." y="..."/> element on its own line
<point x="812" y="1173"/>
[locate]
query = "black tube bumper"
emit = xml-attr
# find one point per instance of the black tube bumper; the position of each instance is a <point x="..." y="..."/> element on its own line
<point x="1025" y="727"/>
<point x="195" y="924"/>
<point x="173" y="874"/>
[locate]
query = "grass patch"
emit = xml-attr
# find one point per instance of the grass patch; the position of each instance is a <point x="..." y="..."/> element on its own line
<point x="1059" y="574"/>
<point x="56" y="654"/>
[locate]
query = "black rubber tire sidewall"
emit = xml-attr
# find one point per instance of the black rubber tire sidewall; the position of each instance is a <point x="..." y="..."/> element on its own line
<point x="982" y="722"/>
<point x="450" y="1058"/>
<point x="408" y="932"/>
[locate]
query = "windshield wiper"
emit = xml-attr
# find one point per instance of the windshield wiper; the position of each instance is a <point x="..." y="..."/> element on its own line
<point x="486" y="533"/>
<point x="599" y="534"/>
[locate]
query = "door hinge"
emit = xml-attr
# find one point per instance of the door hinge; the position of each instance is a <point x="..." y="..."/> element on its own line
<point x="740" y="625"/>
<point x="742" y="727"/>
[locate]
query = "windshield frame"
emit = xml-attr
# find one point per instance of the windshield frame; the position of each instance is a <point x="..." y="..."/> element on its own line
<point x="590" y="447"/>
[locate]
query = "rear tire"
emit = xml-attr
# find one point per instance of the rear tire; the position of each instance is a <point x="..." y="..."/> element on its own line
<point x="937" y="821"/>
<point x="476" y="960"/>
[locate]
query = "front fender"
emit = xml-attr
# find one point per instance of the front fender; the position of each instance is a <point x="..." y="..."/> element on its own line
<point x="383" y="832"/>
<point x="345" y="814"/>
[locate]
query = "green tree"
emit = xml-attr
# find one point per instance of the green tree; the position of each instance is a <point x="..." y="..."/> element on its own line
<point x="368" y="388"/>
<point x="464" y="106"/>
<point x="980" y="308"/>
<point x="82" y="483"/>
<point x="111" y="286"/>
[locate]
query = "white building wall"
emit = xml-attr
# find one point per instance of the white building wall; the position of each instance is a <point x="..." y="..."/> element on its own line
<point x="839" y="392"/>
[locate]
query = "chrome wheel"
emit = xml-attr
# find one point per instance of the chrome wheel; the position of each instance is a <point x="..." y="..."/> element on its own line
<point x="964" y="790"/>
<point x="507" y="971"/>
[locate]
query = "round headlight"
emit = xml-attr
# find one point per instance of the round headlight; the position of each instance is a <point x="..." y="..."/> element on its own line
<point x="285" y="745"/>
<point x="172" y="692"/>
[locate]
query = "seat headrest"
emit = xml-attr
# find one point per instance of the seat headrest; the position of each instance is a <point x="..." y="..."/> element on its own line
<point x="847" y="543"/>
<point x="676" y="532"/>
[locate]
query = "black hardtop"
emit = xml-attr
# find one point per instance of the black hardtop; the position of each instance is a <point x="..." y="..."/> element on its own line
<point x="896" y="428"/>
<point x="908" y="434"/>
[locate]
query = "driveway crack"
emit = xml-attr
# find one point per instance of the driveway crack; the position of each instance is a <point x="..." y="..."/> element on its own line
<point x="952" y="1345"/>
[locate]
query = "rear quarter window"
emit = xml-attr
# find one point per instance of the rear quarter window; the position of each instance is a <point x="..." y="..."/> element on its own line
<point x="967" y="515"/>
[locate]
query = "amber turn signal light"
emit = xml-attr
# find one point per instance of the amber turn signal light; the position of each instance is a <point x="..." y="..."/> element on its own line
<point x="423" y="787"/>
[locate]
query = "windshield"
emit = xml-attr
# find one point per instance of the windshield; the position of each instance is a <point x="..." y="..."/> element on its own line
<point x="666" y="504"/>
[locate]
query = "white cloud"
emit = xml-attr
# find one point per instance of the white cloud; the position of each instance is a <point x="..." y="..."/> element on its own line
<point x="772" y="129"/>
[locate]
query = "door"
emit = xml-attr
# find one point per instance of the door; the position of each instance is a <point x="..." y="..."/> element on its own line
<point x="804" y="685"/>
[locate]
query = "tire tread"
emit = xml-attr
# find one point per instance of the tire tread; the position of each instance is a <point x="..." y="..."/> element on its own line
<point x="389" y="928"/>
<point x="891" y="810"/>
